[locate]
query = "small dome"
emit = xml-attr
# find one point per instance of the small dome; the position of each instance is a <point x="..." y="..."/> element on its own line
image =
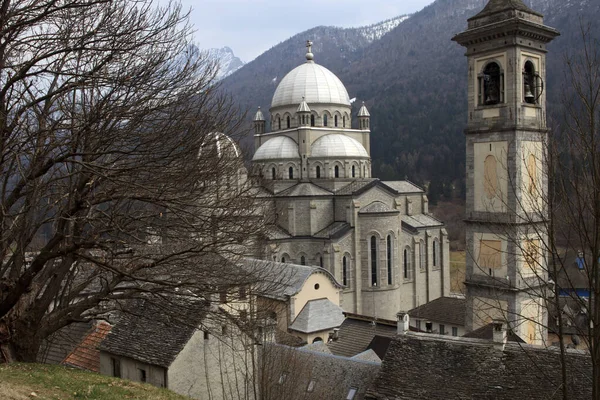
<point x="220" y="144"/>
<point x="337" y="145"/>
<point x="281" y="147"/>
<point x="312" y="81"/>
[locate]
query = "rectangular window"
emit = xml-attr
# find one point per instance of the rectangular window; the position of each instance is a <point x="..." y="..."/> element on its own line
<point x="242" y="293"/>
<point x="351" y="393"/>
<point x="442" y="329"/>
<point x="454" y="331"/>
<point x="142" y="374"/>
<point x="490" y="256"/>
<point x="531" y="255"/>
<point x="373" y="261"/>
<point x="243" y="315"/>
<point x="116" y="367"/>
<point x="224" y="329"/>
<point x="223" y="296"/>
<point x="206" y="335"/>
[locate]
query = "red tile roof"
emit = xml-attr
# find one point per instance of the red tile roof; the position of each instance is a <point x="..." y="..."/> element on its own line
<point x="86" y="355"/>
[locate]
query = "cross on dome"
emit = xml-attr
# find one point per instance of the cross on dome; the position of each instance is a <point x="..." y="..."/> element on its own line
<point x="309" y="55"/>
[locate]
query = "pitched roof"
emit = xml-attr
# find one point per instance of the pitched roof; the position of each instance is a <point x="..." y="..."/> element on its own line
<point x="487" y="332"/>
<point x="449" y="310"/>
<point x="58" y="346"/>
<point x="377" y="207"/>
<point x="420" y="221"/>
<point x="356" y="334"/>
<point x="291" y="371"/>
<point x="304" y="189"/>
<point x="421" y="366"/>
<point x="403" y="186"/>
<point x="318" y="315"/>
<point x="86" y="355"/>
<point x="281" y="280"/>
<point x="154" y="333"/>
<point x="334" y="231"/>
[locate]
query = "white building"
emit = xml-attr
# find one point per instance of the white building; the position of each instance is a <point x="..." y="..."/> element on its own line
<point x="377" y="238"/>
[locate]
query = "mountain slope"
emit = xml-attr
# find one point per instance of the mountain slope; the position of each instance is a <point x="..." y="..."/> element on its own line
<point x="413" y="80"/>
<point x="228" y="62"/>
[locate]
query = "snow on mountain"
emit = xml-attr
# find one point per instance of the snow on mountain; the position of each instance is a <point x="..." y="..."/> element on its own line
<point x="228" y="62"/>
<point x="376" y="31"/>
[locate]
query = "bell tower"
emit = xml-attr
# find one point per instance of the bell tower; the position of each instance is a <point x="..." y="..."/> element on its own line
<point x="506" y="136"/>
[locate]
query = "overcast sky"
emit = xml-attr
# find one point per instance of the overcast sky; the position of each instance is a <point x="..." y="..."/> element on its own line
<point x="251" y="27"/>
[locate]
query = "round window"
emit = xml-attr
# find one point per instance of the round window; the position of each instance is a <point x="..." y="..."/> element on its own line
<point x="317" y="286"/>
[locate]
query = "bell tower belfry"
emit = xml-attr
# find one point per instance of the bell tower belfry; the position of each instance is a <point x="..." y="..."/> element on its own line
<point x="507" y="185"/>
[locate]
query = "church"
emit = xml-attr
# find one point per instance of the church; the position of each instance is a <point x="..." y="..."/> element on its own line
<point x="313" y="167"/>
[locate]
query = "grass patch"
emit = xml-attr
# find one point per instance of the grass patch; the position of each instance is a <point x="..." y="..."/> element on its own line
<point x="457" y="271"/>
<point x="39" y="381"/>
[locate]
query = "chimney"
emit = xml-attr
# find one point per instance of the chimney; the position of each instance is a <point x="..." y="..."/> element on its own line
<point x="429" y="327"/>
<point x="403" y="322"/>
<point x="500" y="335"/>
<point x="336" y="334"/>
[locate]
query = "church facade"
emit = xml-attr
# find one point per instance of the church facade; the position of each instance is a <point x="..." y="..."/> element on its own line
<point x="314" y="171"/>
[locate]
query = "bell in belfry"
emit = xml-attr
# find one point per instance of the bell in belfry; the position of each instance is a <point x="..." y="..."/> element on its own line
<point x="529" y="97"/>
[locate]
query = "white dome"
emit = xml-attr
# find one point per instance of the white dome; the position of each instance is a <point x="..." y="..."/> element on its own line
<point x="337" y="145"/>
<point x="221" y="144"/>
<point x="281" y="147"/>
<point x="312" y="81"/>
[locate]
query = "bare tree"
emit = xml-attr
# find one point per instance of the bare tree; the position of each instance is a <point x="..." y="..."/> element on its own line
<point x="115" y="184"/>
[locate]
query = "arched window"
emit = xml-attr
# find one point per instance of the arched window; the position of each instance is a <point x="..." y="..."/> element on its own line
<point x="435" y="253"/>
<point x="344" y="122"/>
<point x="318" y="171"/>
<point x="283" y="259"/>
<point x="324" y="119"/>
<point x="303" y="120"/>
<point x="312" y="120"/>
<point x="288" y="122"/>
<point x="491" y="85"/>
<point x="344" y="271"/>
<point x="390" y="256"/>
<point x="336" y="171"/>
<point x="407" y="264"/>
<point x="273" y="174"/>
<point x="302" y="260"/>
<point x="373" y="261"/>
<point x="335" y="121"/>
<point x="422" y="255"/>
<point x="353" y="172"/>
<point x="321" y="261"/>
<point x="291" y="172"/>
<point x="279" y="123"/>
<point x="530" y="83"/>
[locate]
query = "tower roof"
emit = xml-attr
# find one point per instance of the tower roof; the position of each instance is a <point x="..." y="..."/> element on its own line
<point x="363" y="112"/>
<point x="497" y="6"/>
<point x="259" y="115"/>
<point x="303" y="107"/>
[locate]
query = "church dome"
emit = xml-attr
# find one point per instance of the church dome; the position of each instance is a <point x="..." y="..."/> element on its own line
<point x="337" y="145"/>
<point x="281" y="147"/>
<point x="312" y="81"/>
<point x="221" y="145"/>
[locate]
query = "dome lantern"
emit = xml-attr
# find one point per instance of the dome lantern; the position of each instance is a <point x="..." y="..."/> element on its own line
<point x="303" y="113"/>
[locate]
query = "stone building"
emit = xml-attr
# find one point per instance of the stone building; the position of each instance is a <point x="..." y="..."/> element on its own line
<point x="377" y="238"/>
<point x="506" y="271"/>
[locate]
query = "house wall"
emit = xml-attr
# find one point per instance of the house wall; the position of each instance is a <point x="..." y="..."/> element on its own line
<point x="414" y="322"/>
<point x="219" y="368"/>
<point x="130" y="369"/>
<point x="309" y="291"/>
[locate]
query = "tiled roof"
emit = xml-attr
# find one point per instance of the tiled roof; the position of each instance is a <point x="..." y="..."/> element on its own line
<point x="334" y="231"/>
<point x="58" y="346"/>
<point x="355" y="335"/>
<point x="356" y="186"/>
<point x="291" y="371"/>
<point x="154" y="333"/>
<point x="497" y="6"/>
<point x="419" y="221"/>
<point x="86" y="355"/>
<point x="377" y="207"/>
<point x="487" y="332"/>
<point x="305" y="189"/>
<point x="318" y="315"/>
<point x="403" y="186"/>
<point x="419" y="366"/>
<point x="449" y="310"/>
<point x="367" y="355"/>
<point x="280" y="280"/>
